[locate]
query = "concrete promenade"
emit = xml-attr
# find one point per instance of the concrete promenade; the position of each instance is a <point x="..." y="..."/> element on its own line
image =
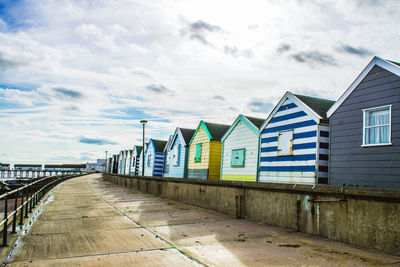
<point x="89" y="222"/>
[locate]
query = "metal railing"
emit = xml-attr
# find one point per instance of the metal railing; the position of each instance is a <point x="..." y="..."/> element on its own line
<point x="28" y="196"/>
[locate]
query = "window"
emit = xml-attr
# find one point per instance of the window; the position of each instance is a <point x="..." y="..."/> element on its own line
<point x="377" y="126"/>
<point x="167" y="155"/>
<point x="238" y="158"/>
<point x="198" y="153"/>
<point x="149" y="160"/>
<point x="285" y="143"/>
<point x="175" y="157"/>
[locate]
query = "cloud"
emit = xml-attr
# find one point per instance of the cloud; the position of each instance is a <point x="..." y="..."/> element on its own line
<point x="6" y="64"/>
<point x="159" y="89"/>
<point x="235" y="52"/>
<point x="203" y="26"/>
<point x="362" y="52"/>
<point x="95" y="141"/>
<point x="68" y="93"/>
<point x="283" y="48"/>
<point x="219" y="97"/>
<point x="314" y="57"/>
<point x="260" y="105"/>
<point x="199" y="30"/>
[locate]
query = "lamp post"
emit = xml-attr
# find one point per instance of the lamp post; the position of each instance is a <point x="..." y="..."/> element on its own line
<point x="143" y="122"/>
<point x="106" y="162"/>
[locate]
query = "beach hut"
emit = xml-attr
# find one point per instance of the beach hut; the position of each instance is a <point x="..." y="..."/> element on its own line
<point x="142" y="159"/>
<point x="240" y="148"/>
<point x="134" y="169"/>
<point x="365" y="129"/>
<point x="294" y="141"/>
<point x="128" y="160"/>
<point x="154" y="158"/>
<point x="205" y="151"/>
<point x="177" y="152"/>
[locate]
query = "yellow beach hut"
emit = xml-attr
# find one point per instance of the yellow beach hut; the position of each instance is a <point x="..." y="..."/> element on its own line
<point x="205" y="147"/>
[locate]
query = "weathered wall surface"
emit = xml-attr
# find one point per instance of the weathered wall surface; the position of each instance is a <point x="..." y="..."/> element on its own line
<point x="367" y="217"/>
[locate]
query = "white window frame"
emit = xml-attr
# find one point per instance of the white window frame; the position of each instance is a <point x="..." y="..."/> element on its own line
<point x="365" y="111"/>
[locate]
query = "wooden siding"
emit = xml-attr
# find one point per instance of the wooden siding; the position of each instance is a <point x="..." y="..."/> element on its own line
<point x="200" y="137"/>
<point x="301" y="166"/>
<point x="351" y="164"/>
<point x="240" y="137"/>
<point x="128" y="159"/>
<point x="172" y="170"/>
<point x="149" y="165"/>
<point x="214" y="165"/>
<point x="156" y="164"/>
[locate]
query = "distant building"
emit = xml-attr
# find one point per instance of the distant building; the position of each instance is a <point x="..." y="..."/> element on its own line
<point x="28" y="167"/>
<point x="65" y="167"/>
<point x="5" y="167"/>
<point x="99" y="166"/>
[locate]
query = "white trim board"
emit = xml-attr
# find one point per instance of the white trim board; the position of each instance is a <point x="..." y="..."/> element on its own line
<point x="376" y="61"/>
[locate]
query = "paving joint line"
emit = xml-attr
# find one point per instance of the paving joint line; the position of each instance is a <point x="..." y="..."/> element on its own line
<point x="97" y="255"/>
<point x="145" y="228"/>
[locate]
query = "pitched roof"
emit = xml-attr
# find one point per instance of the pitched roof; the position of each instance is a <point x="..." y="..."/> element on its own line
<point x="256" y="121"/>
<point x="388" y="65"/>
<point x="216" y="130"/>
<point x="159" y="145"/>
<point x="319" y="105"/>
<point x="138" y="149"/>
<point x="187" y="134"/>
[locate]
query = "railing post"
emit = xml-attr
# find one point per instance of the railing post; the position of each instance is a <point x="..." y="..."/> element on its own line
<point x="30" y="198"/>
<point x="34" y="196"/>
<point x="27" y="203"/>
<point x="21" y="217"/>
<point x="14" y="225"/>
<point x="6" y="221"/>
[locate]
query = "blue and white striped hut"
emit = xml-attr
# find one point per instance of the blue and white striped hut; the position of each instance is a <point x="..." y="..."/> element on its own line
<point x="177" y="152"/>
<point x="295" y="140"/>
<point x="154" y="158"/>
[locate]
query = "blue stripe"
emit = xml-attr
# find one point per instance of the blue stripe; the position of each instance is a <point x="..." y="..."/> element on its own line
<point x="290" y="126"/>
<point x="295" y="136"/>
<point x="295" y="147"/>
<point x="288" y="169"/>
<point x="288" y="116"/>
<point x="305" y="135"/>
<point x="305" y="146"/>
<point x="269" y="139"/>
<point x="269" y="149"/>
<point x="288" y="106"/>
<point x="289" y="158"/>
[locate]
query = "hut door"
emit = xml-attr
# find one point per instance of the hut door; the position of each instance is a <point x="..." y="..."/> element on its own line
<point x="285" y="143"/>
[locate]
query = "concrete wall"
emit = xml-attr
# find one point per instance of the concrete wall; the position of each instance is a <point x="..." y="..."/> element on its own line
<point x="367" y="217"/>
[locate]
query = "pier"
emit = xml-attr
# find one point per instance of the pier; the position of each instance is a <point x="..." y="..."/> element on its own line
<point x="87" y="221"/>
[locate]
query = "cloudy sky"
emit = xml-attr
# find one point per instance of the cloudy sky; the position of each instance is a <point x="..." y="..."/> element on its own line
<point x="77" y="76"/>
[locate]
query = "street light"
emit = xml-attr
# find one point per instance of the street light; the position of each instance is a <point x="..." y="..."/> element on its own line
<point x="106" y="162"/>
<point x="143" y="122"/>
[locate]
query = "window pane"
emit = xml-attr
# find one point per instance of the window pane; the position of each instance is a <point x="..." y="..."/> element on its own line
<point x="377" y="117"/>
<point x="238" y="157"/>
<point x="198" y="152"/>
<point x="377" y="135"/>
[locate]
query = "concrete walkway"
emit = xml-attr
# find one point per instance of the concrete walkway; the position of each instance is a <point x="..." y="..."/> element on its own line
<point x="93" y="223"/>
